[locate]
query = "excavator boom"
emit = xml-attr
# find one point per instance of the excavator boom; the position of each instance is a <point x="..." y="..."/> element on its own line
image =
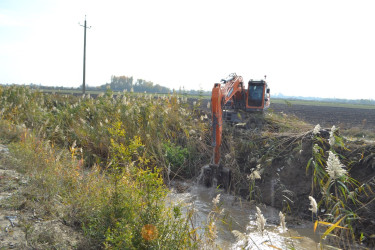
<point x="230" y="93"/>
<point x="217" y="121"/>
<point x="221" y="96"/>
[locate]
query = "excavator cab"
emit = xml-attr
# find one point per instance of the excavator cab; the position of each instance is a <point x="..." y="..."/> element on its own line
<point x="258" y="96"/>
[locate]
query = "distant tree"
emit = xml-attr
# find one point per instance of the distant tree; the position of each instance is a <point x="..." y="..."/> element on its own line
<point x="119" y="83"/>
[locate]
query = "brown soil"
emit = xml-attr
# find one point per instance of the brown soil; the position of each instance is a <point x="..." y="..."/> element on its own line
<point x="345" y="118"/>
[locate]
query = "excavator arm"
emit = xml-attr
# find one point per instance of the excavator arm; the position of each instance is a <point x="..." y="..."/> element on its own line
<point x="229" y="94"/>
<point x="217" y="121"/>
<point x="221" y="96"/>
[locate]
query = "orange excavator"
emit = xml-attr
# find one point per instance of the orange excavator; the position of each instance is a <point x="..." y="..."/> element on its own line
<point x="227" y="96"/>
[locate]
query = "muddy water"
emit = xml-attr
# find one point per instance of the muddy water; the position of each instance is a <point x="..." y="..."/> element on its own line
<point x="241" y="215"/>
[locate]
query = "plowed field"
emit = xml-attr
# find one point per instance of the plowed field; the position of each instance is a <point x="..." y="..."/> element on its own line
<point x="327" y="116"/>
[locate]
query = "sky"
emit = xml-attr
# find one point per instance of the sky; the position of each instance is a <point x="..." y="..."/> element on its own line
<point x="305" y="48"/>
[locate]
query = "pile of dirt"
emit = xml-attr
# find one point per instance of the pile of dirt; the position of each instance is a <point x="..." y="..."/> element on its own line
<point x="280" y="160"/>
<point x="363" y="154"/>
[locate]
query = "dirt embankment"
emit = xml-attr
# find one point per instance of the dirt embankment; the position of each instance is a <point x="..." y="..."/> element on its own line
<point x="21" y="228"/>
<point x="286" y="183"/>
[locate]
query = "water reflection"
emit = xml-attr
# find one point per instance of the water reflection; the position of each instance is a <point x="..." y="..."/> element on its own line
<point x="240" y="215"/>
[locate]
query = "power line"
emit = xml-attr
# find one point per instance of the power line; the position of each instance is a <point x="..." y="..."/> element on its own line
<point x="84" y="56"/>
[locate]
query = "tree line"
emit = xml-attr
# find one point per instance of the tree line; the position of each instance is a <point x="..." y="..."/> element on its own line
<point x="121" y="83"/>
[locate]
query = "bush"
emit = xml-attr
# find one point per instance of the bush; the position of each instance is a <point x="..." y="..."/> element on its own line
<point x="175" y="155"/>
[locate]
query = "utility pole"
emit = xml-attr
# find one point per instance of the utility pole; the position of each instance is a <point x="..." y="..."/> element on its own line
<point x="84" y="57"/>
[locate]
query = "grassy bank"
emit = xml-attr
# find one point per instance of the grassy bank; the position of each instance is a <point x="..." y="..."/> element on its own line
<point x="98" y="165"/>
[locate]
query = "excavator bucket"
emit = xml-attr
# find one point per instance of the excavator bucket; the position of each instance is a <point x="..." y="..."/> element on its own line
<point x="216" y="176"/>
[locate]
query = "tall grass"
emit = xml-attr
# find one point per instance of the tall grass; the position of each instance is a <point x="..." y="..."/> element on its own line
<point x="164" y="124"/>
<point x="332" y="184"/>
<point x="98" y="164"/>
